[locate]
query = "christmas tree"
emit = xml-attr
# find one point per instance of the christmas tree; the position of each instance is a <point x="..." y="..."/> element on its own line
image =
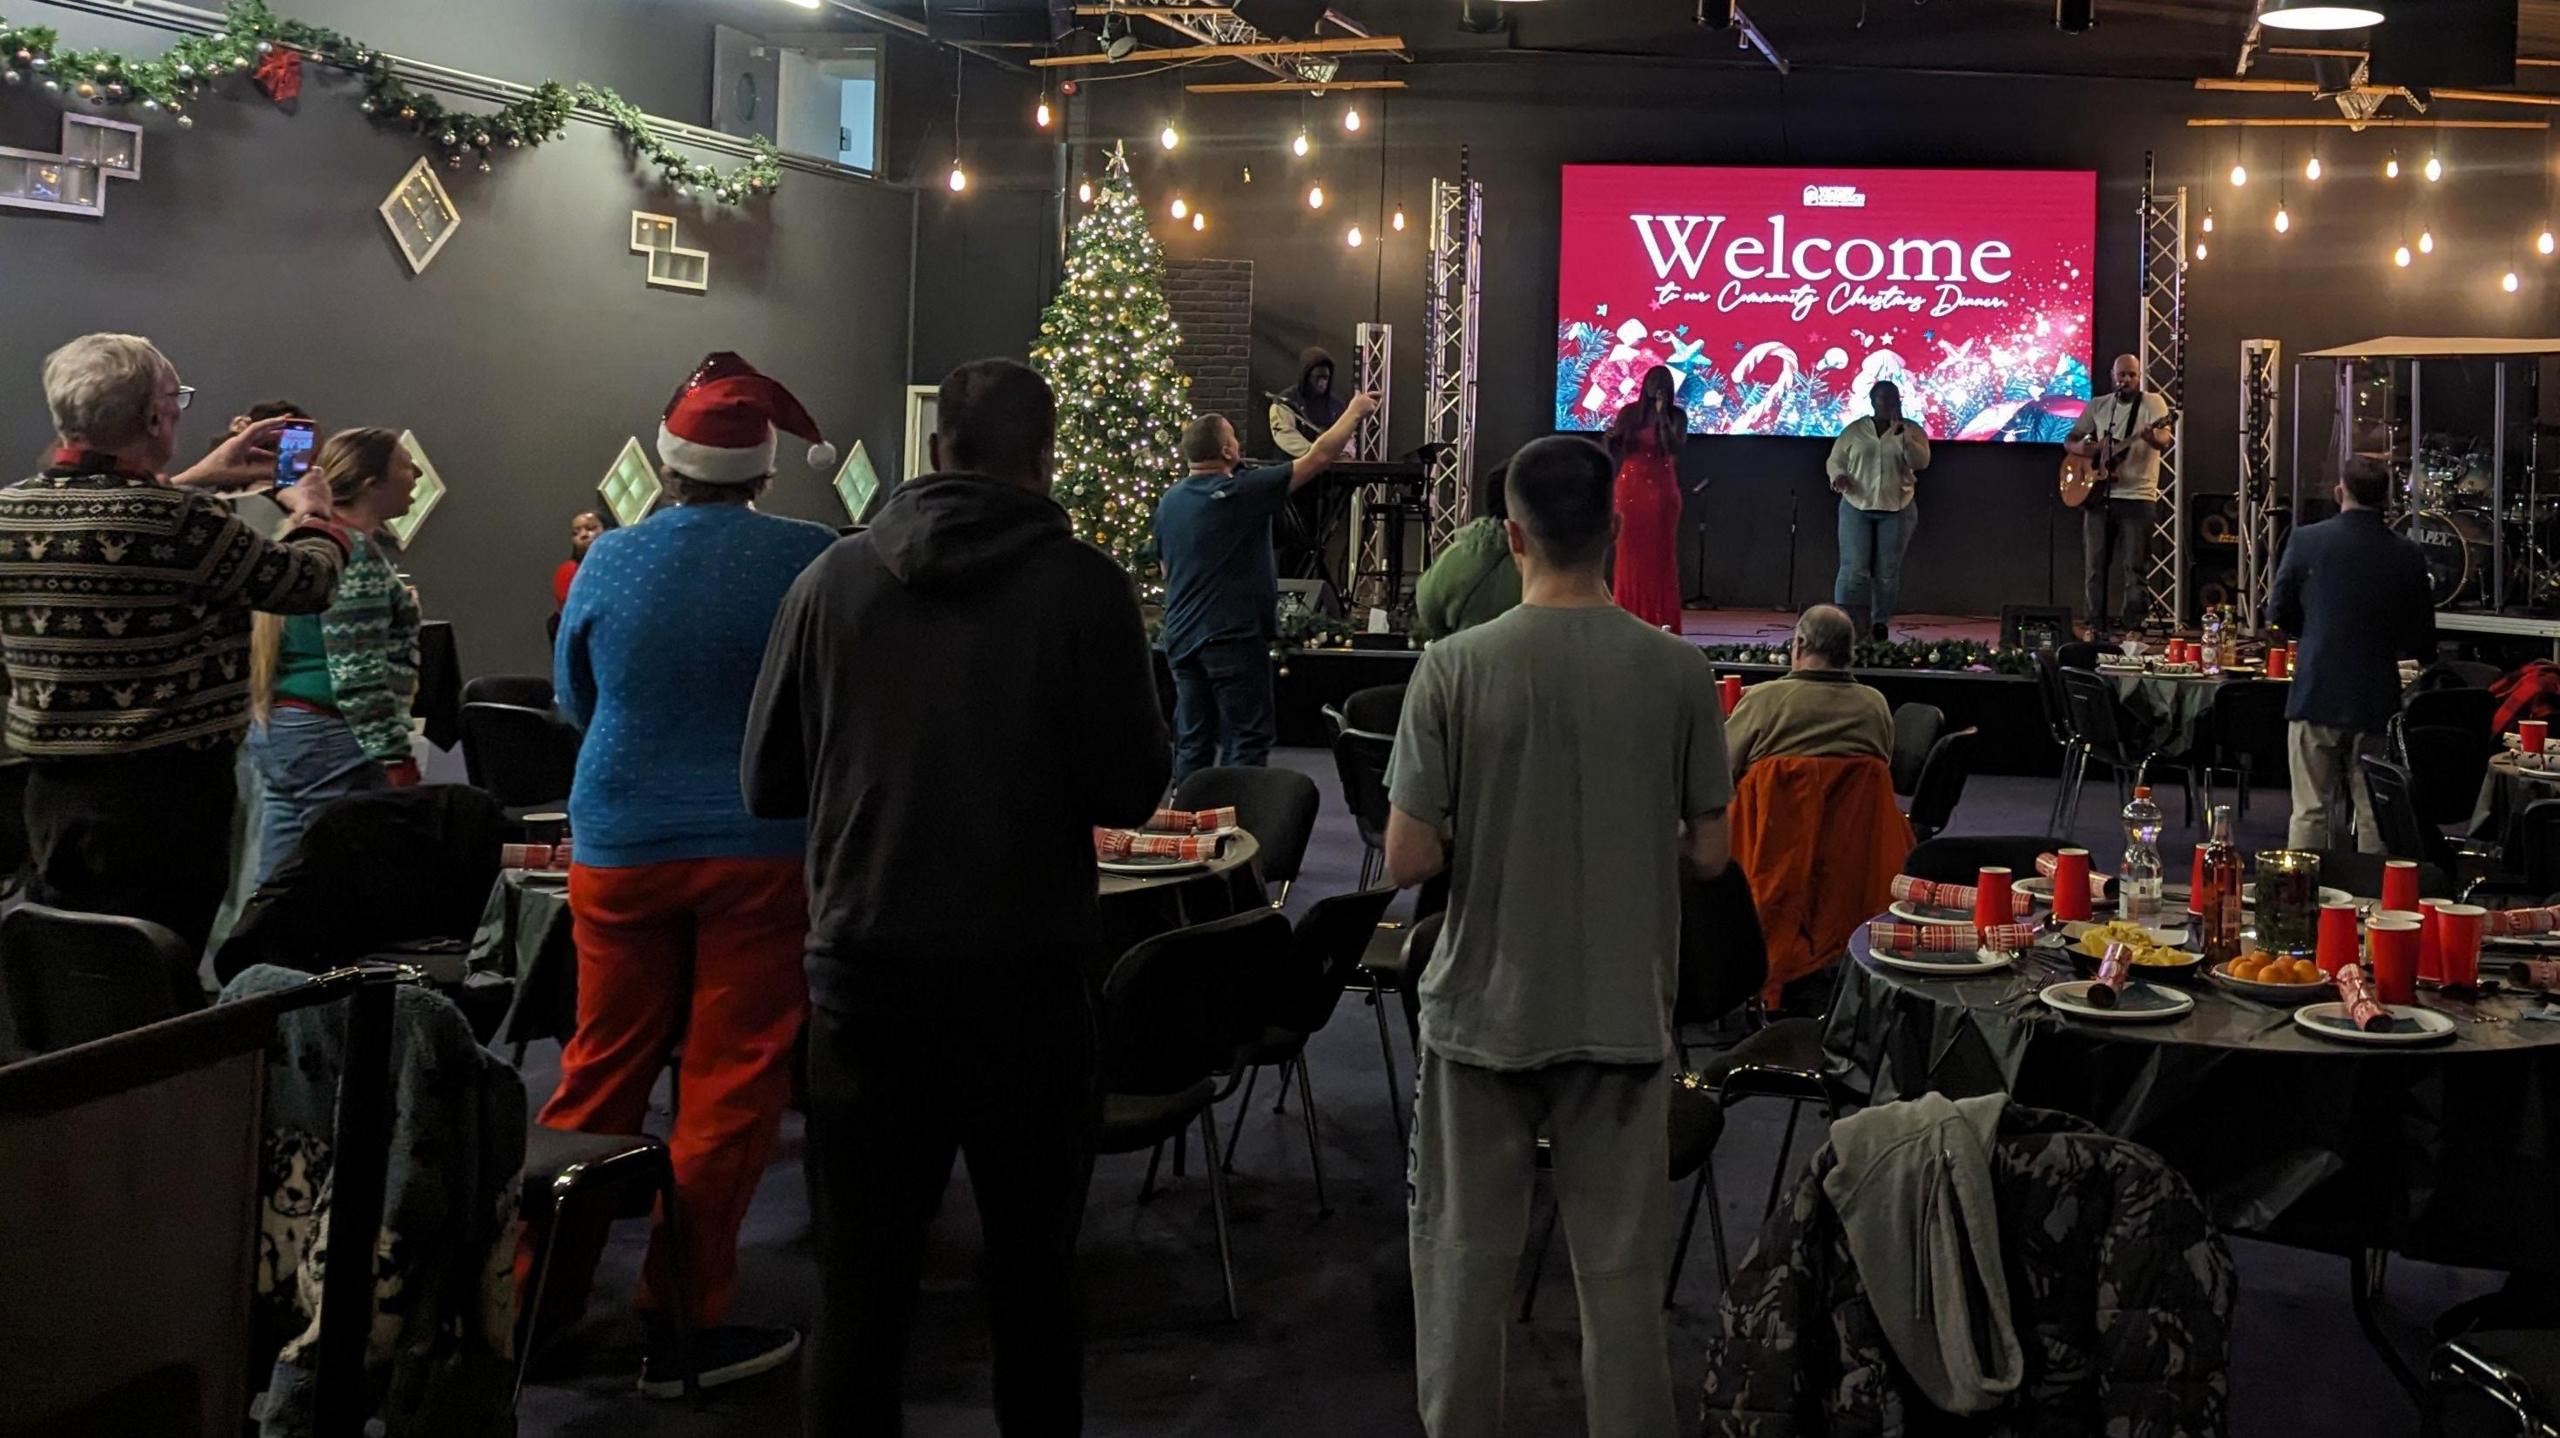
<point x="1106" y="347"/>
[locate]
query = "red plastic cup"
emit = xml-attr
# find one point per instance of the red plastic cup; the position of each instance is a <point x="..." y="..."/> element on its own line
<point x="2279" y="661"/>
<point x="2459" y="929"/>
<point x="2394" y="935"/>
<point x="2071" y="885"/>
<point x="2400" y="886"/>
<point x="2339" y="943"/>
<point x="2430" y="941"/>
<point x="1729" y="690"/>
<point x="1992" y="903"/>
<point x="2532" y="734"/>
<point x="2175" y="651"/>
<point x="2195" y="883"/>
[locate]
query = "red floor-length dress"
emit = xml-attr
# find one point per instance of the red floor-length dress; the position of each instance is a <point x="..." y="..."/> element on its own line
<point x="1648" y="575"/>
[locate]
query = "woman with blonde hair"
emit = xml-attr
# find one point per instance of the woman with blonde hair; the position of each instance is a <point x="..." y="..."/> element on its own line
<point x="331" y="692"/>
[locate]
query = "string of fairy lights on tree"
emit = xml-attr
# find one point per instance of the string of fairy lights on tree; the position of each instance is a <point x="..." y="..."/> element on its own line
<point x="2410" y="248"/>
<point x="259" y="46"/>
<point x="1107" y="345"/>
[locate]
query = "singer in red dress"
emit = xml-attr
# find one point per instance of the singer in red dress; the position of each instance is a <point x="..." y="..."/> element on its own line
<point x="1645" y="439"/>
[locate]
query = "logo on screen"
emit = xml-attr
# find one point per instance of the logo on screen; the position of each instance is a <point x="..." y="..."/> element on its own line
<point x="1835" y="197"/>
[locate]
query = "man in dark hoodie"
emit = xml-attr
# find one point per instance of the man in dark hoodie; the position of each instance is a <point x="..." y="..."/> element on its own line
<point x="1303" y="412"/>
<point x="953" y="699"/>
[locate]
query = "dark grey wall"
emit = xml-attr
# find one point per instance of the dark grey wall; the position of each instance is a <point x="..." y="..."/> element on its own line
<point x="1989" y="532"/>
<point x="523" y="356"/>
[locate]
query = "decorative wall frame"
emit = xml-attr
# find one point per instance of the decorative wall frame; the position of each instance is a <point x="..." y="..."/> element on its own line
<point x="430" y="491"/>
<point x="924" y="415"/>
<point x="72" y="180"/>
<point x="857" y="484"/>
<point x="671" y="266"/>
<point x="630" y="487"/>
<point x="420" y="215"/>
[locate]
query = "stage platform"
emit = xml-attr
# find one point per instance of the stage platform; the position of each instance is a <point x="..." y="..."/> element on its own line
<point x="1712" y="627"/>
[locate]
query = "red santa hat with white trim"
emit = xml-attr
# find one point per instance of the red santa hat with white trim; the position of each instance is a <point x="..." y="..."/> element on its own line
<point x="720" y="426"/>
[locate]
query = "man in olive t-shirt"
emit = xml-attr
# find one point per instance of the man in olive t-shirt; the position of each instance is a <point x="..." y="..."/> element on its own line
<point x="1565" y="763"/>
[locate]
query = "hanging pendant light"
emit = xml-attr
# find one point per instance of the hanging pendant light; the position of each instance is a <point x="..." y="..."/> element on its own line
<point x="1084" y="192"/>
<point x="2284" y="221"/>
<point x="2510" y="283"/>
<point x="1040" y="114"/>
<point x="1353" y="238"/>
<point x="1315" y="197"/>
<point x="2435" y="167"/>
<point x="1168" y="136"/>
<point x="2208" y="222"/>
<point x="2391" y="167"/>
<point x="2311" y="167"/>
<point x="1300" y="145"/>
<point x="1181" y="207"/>
<point x="1351" y="117"/>
<point x="2546" y="242"/>
<point x="2426" y="242"/>
<point x="2400" y="257"/>
<point x="1397" y="224"/>
<point x="1199" y="221"/>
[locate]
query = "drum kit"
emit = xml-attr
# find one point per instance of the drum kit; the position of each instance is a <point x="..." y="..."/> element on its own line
<point x="2451" y="517"/>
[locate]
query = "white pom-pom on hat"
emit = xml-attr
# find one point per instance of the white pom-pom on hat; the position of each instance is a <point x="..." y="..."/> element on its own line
<point x="822" y="455"/>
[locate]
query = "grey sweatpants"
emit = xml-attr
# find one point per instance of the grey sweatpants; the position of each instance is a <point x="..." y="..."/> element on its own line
<point x="1475" y="1133"/>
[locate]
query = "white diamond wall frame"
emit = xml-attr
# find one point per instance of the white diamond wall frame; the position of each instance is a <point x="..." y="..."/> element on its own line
<point x="420" y="215"/>
<point x="431" y="489"/>
<point x="671" y="265"/>
<point x="857" y="484"/>
<point x="630" y="486"/>
<point x="73" y="180"/>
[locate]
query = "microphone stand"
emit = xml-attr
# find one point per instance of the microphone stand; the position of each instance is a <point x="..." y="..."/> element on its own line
<point x="1795" y="503"/>
<point x="1698" y="596"/>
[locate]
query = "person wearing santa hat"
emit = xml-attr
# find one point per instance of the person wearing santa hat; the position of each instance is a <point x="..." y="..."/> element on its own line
<point x="689" y="913"/>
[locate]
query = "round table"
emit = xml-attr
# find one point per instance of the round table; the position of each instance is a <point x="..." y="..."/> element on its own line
<point x="2448" y="1153"/>
<point x="1136" y="907"/>
<point x="2166" y="708"/>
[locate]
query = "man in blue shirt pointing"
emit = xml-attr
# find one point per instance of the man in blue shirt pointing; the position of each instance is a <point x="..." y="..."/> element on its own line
<point x="1221" y="590"/>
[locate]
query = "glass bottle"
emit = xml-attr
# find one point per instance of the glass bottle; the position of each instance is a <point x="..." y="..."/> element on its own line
<point x="2218" y="893"/>
<point x="2209" y="652"/>
<point x="2138" y="881"/>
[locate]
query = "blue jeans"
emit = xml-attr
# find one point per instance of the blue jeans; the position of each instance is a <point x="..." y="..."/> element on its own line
<point x="1872" y="542"/>
<point x="1223" y="706"/>
<point x="304" y="760"/>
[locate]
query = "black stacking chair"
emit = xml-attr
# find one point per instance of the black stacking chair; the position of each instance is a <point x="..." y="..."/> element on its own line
<point x="526" y="758"/>
<point x="2495" y="1382"/>
<point x="2405" y="833"/>
<point x="635" y="1173"/>
<point x="1962" y="858"/>
<point x="1175" y="1016"/>
<point x="1299" y="998"/>
<point x="2446" y="768"/>
<point x="1397" y="971"/>
<point x="2057" y="722"/>
<point x="2538" y="845"/>
<point x="1376" y="710"/>
<point x="2095" y="716"/>
<point x="1364" y="740"/>
<point x="527" y="691"/>
<point x="2470" y="710"/>
<point x="75" y="978"/>
<point x="1916" y="728"/>
<point x="2079" y="654"/>
<point x="2245" y="732"/>
<point x="1276" y="806"/>
<point x="1940" y="786"/>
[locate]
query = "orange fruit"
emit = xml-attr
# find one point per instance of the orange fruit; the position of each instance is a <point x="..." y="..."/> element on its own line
<point x="2305" y="972"/>
<point x="2244" y="970"/>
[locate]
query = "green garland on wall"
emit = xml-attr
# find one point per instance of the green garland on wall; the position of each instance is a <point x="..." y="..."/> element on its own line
<point x="1906" y="654"/>
<point x="250" y="41"/>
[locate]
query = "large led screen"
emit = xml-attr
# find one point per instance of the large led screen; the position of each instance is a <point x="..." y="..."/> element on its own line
<point x="1778" y="297"/>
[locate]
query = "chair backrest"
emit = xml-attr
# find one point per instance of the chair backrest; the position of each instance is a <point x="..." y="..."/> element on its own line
<point x="1960" y="859"/>
<point x="1375" y="710"/>
<point x="374" y="870"/>
<point x="1941" y="784"/>
<point x="1724" y="955"/>
<point x="75" y="978"/>
<point x="2056" y="703"/>
<point x="2093" y="715"/>
<point x="2079" y="654"/>
<point x="1276" y="806"/>
<point x="2467" y="710"/>
<point x="2446" y="767"/>
<point x="1178" y="1007"/>
<point x="2405" y="835"/>
<point x="1325" y="952"/>
<point x="2471" y="671"/>
<point x="1916" y="728"/>
<point x="2538" y="831"/>
<point x="1361" y="759"/>
<point x="523" y="756"/>
<point x="2247" y="718"/>
<point x="14" y="844"/>
<point x="527" y="691"/>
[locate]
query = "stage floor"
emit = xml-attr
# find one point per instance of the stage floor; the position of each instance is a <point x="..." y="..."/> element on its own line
<point x="1772" y="626"/>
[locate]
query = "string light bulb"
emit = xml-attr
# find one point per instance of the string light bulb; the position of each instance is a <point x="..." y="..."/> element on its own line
<point x="1315" y="197"/>
<point x="2400" y="257"/>
<point x="2199" y="249"/>
<point x="2546" y="242"/>
<point x="2435" y="167"/>
<point x="1199" y="221"/>
<point x="2510" y="283"/>
<point x="1084" y="192"/>
<point x="2426" y="242"/>
<point x="1169" y="136"/>
<point x="959" y="178"/>
<point x="1040" y="116"/>
<point x="2391" y="167"/>
<point x="1351" y="117"/>
<point x="2284" y="220"/>
<point x="1396" y="223"/>
<point x="2239" y="174"/>
<point x="1301" y="145"/>
<point x="1181" y="207"/>
<point x="2208" y="222"/>
<point x="1353" y="238"/>
<point x="2311" y="168"/>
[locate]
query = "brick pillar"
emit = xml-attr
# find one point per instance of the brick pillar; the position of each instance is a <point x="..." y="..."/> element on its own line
<point x="1213" y="302"/>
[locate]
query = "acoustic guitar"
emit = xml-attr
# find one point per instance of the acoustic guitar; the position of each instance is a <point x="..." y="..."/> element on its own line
<point x="2089" y="476"/>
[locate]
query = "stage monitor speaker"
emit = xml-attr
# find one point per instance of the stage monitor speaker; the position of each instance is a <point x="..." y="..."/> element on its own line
<point x="2035" y="626"/>
<point x="1316" y="594"/>
<point x="2074" y="16"/>
<point x="989" y="22"/>
<point x="2446" y="42"/>
<point x="1282" y="19"/>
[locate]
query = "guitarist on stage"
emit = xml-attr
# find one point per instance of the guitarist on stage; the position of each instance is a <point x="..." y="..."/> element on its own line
<point x="2123" y="433"/>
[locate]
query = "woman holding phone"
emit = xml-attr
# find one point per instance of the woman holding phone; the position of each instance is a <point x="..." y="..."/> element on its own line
<point x="330" y="693"/>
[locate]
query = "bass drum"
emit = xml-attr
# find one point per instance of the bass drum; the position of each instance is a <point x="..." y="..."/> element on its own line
<point x="2457" y="551"/>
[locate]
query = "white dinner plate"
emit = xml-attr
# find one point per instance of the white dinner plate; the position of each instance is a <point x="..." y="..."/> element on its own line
<point x="2411" y="1025"/>
<point x="1955" y="965"/>
<point x="2139" y="1003"/>
<point x="1911" y="913"/>
<point x="2040" y="889"/>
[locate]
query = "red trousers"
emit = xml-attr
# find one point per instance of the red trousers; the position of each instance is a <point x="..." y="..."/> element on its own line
<point x="706" y="952"/>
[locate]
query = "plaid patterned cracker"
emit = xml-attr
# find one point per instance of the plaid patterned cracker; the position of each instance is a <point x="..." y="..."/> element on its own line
<point x="2507" y="923"/>
<point x="1930" y="895"/>
<point x="2101" y="886"/>
<point x="1189" y="821"/>
<point x="1950" y="938"/>
<point x="1129" y="844"/>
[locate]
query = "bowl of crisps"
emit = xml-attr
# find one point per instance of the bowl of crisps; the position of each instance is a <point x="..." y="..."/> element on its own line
<point x="2153" y="958"/>
<point x="2274" y="978"/>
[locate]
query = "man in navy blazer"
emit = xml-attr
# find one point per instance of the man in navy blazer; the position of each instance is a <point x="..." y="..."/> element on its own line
<point x="2356" y="595"/>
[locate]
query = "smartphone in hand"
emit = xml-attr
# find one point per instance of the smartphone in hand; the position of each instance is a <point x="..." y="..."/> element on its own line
<point x="293" y="453"/>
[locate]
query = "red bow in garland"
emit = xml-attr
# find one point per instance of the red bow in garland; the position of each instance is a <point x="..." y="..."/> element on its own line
<point x="280" y="74"/>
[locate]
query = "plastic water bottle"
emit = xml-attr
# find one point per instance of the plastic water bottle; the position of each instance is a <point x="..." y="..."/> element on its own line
<point x="2138" y="882"/>
<point x="2212" y="646"/>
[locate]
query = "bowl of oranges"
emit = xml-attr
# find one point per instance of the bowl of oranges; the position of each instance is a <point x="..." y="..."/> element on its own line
<point x="2276" y="978"/>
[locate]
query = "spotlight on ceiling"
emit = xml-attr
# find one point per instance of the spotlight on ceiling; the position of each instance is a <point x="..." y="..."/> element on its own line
<point x="2317" y="15"/>
<point x="1119" y="46"/>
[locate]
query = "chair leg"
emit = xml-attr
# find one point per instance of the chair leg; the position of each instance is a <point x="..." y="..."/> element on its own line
<point x="525" y="1341"/>
<point x="1182" y="1148"/>
<point x="1218" y="1206"/>
<point x="682" y="1262"/>
<point x="1680" y="1250"/>
<point x="1315" y="1153"/>
<point x="1147" y="1190"/>
<point x="1280" y="1094"/>
<point x="1235" y="1133"/>
<point x="2079" y="775"/>
<point x="1387" y="1052"/>
<point x="1786" y="1145"/>
<point x="1538" y="1261"/>
<point x="1715" y="1228"/>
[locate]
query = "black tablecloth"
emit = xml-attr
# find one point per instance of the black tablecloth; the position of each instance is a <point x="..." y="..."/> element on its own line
<point x="2448" y="1153"/>
<point x="439" y="700"/>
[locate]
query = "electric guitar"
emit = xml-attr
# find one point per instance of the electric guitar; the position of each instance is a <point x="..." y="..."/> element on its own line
<point x="2089" y="476"/>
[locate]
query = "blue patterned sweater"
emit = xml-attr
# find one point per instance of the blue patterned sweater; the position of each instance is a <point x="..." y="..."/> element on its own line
<point x="658" y="652"/>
